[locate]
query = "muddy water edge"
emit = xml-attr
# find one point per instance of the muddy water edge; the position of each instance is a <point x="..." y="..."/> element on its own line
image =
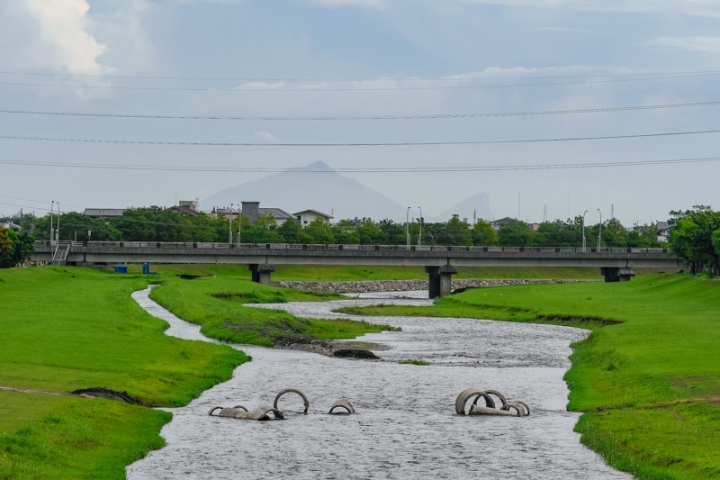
<point x="406" y="426"/>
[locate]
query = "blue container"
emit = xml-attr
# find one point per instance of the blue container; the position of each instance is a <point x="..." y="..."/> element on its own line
<point x="121" y="268"/>
<point x="146" y="268"/>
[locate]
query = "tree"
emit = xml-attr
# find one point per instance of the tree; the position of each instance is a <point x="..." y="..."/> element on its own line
<point x="692" y="235"/>
<point x="516" y="232"/>
<point x="345" y="232"/>
<point x="6" y="245"/>
<point x="369" y="233"/>
<point x="290" y="231"/>
<point x="15" y="248"/>
<point x="320" y="231"/>
<point x="395" y="233"/>
<point x="484" y="234"/>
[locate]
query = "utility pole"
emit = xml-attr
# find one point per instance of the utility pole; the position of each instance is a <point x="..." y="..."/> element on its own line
<point x="420" y="231"/>
<point x="544" y="213"/>
<point x="239" y="226"/>
<point x="518" y="217"/>
<point x="407" y="226"/>
<point x="230" y="225"/>
<point x="584" y="243"/>
<point x="474" y="216"/>
<point x="612" y="211"/>
<point x="599" y="231"/>
<point x="57" y="235"/>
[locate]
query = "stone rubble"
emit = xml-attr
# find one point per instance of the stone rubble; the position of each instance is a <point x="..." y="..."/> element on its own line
<point x="371" y="286"/>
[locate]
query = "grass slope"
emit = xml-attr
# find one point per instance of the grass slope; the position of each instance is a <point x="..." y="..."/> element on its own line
<point x="650" y="385"/>
<point x="216" y="303"/>
<point x="346" y="273"/>
<point x="69" y="328"/>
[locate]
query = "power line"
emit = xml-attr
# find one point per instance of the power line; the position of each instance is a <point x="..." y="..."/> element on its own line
<point x="369" y="144"/>
<point x="368" y="117"/>
<point x="336" y="79"/>
<point x="356" y="88"/>
<point x="105" y="166"/>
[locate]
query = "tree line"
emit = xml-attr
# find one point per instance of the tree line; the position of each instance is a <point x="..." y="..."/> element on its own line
<point x="156" y="224"/>
<point x="695" y="238"/>
<point x="15" y="248"/>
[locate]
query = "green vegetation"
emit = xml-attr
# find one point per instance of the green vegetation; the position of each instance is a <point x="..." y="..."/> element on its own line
<point x="695" y="238"/>
<point x="70" y="328"/>
<point x="348" y="273"/>
<point x="217" y="304"/>
<point x="650" y="384"/>
<point x="414" y="362"/>
<point x="14" y="248"/>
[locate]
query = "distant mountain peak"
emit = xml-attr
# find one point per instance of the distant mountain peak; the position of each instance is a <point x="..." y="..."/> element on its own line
<point x="314" y="167"/>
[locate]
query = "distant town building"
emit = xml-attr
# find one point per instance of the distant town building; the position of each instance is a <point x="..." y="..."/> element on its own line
<point x="186" y="207"/>
<point x="306" y="217"/>
<point x="11" y="226"/>
<point x="498" y="224"/>
<point x="104" y="212"/>
<point x="663" y="231"/>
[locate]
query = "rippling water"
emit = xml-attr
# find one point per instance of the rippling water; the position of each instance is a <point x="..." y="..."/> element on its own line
<point x="405" y="427"/>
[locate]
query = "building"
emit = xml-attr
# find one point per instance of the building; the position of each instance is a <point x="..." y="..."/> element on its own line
<point x="663" y="231"/>
<point x="280" y="215"/>
<point x="498" y="224"/>
<point x="11" y="226"/>
<point x="306" y="217"/>
<point x="186" y="207"/>
<point x="104" y="212"/>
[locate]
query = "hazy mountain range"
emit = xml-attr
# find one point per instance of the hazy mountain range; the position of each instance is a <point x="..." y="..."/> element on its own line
<point x="319" y="187"/>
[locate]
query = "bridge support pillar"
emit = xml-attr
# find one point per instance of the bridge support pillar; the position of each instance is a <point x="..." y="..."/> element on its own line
<point x="261" y="272"/>
<point x="616" y="274"/>
<point x="440" y="280"/>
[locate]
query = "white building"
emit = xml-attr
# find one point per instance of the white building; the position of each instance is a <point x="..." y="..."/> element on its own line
<point x="306" y="217"/>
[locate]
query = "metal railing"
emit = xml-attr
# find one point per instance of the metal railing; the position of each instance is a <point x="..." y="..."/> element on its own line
<point x="78" y="246"/>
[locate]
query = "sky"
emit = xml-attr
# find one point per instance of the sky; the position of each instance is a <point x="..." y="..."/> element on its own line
<point x="296" y="59"/>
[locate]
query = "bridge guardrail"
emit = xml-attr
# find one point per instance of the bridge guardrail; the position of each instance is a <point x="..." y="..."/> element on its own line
<point x="351" y="247"/>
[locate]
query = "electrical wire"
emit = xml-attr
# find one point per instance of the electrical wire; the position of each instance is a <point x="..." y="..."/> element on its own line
<point x="371" y="144"/>
<point x="180" y="168"/>
<point x="369" y="117"/>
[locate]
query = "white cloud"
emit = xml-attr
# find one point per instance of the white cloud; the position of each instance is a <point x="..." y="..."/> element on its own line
<point x="351" y="3"/>
<point x="267" y="136"/>
<point x="696" y="44"/>
<point x="56" y="36"/>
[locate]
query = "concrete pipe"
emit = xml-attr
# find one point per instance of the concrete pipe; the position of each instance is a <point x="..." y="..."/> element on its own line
<point x="524" y="405"/>
<point x="497" y="394"/>
<point x="468" y="394"/>
<point x="263" y="413"/>
<point x="519" y="410"/>
<point x="480" y="410"/>
<point x="238" y="407"/>
<point x="293" y="390"/>
<point x="342" y="403"/>
<point x="224" y="412"/>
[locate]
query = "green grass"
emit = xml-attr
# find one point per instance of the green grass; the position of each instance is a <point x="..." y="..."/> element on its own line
<point x="650" y="384"/>
<point x="346" y="273"/>
<point x="70" y="328"/>
<point x="414" y="362"/>
<point x="217" y="305"/>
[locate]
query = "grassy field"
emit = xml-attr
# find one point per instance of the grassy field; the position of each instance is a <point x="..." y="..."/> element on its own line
<point x="344" y="273"/>
<point x="648" y="377"/>
<point x="70" y="328"/>
<point x="217" y="304"/>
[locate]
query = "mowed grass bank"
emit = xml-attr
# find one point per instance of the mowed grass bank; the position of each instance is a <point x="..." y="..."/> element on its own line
<point x="217" y="305"/>
<point x="348" y="273"/>
<point x="650" y="385"/>
<point x="69" y="328"/>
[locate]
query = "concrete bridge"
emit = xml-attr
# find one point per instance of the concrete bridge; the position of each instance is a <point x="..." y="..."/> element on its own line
<point x="440" y="262"/>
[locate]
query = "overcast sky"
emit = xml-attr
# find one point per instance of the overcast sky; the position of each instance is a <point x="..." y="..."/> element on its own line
<point x="310" y="58"/>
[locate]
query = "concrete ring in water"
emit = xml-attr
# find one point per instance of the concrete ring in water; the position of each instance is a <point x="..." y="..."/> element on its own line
<point x="468" y="394"/>
<point x="293" y="390"/>
<point x="342" y="403"/>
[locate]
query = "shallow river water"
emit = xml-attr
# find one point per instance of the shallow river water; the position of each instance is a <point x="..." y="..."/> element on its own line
<point x="405" y="426"/>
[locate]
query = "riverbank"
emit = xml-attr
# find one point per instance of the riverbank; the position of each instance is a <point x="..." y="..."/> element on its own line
<point x="65" y="329"/>
<point x="217" y="305"/>
<point x="370" y="286"/>
<point x="647" y="378"/>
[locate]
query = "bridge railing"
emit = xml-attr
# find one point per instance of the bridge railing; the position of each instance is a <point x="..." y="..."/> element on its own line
<point x="342" y="247"/>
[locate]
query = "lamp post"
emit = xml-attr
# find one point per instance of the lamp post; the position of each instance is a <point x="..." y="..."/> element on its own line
<point x="57" y="234"/>
<point x="407" y="227"/>
<point x="584" y="243"/>
<point x="230" y="225"/>
<point x="239" y="226"/>
<point x="599" y="231"/>
<point x="52" y="232"/>
<point x="420" y="231"/>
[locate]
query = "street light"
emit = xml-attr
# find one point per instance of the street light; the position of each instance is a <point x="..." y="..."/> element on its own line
<point x="407" y="226"/>
<point x="599" y="231"/>
<point x="420" y="231"/>
<point x="230" y="224"/>
<point x="52" y="232"/>
<point x="239" y="226"/>
<point x="584" y="245"/>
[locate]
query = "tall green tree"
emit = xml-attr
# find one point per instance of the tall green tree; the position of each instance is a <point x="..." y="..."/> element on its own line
<point x="484" y="234"/>
<point x="516" y="232"/>
<point x="692" y="235"/>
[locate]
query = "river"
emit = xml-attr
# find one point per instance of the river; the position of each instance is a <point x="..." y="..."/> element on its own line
<point x="405" y="426"/>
